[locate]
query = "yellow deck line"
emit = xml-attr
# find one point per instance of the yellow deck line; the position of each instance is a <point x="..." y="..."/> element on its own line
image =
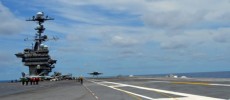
<point x="193" y="83"/>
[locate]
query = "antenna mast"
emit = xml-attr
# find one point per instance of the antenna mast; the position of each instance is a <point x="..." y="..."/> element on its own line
<point x="37" y="59"/>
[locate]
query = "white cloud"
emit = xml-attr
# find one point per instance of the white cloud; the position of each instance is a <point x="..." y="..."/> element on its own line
<point x="171" y="24"/>
<point x="160" y="14"/>
<point x="10" y="24"/>
<point x="222" y="35"/>
<point x="163" y="13"/>
<point x="174" y="44"/>
<point x="180" y="13"/>
<point x="123" y="41"/>
<point x="222" y="38"/>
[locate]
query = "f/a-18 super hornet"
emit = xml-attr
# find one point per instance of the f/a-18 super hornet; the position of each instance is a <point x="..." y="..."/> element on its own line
<point x="37" y="58"/>
<point x="95" y="73"/>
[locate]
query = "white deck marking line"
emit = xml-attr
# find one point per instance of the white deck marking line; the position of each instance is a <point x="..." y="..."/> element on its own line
<point x="220" y="84"/>
<point x="187" y="96"/>
<point x="146" y="97"/>
<point x="171" y="92"/>
<point x="118" y="85"/>
<point x="96" y="97"/>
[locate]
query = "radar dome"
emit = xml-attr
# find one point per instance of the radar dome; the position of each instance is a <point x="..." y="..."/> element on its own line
<point x="40" y="14"/>
<point x="39" y="26"/>
<point x="42" y="45"/>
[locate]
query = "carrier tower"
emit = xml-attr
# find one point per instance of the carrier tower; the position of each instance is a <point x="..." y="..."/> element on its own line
<point x="37" y="58"/>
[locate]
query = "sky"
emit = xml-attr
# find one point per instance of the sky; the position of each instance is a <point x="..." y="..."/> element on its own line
<point x="120" y="37"/>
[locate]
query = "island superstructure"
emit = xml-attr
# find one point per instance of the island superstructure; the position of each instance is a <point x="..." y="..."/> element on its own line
<point x="37" y="58"/>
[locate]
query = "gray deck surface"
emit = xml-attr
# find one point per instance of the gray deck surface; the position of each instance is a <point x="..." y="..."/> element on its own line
<point x="119" y="89"/>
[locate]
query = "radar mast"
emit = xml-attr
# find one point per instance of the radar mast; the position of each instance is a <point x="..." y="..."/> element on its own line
<point x="38" y="59"/>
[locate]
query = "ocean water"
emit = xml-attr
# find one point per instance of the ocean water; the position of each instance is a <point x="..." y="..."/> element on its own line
<point x="220" y="74"/>
<point x="223" y="74"/>
<point x="8" y="81"/>
<point x="4" y="81"/>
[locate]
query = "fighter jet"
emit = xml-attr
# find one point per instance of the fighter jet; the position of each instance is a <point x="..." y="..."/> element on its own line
<point x="95" y="73"/>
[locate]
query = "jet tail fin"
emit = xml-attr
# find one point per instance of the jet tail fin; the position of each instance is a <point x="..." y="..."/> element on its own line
<point x="23" y="74"/>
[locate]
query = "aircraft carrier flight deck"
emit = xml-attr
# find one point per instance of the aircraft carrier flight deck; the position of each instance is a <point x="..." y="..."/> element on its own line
<point x="125" y="88"/>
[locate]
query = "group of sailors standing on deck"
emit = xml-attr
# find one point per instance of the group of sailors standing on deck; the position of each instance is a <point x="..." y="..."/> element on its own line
<point x="33" y="81"/>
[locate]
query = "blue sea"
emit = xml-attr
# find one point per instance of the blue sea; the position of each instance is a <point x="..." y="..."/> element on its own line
<point x="4" y="81"/>
<point x="220" y="74"/>
<point x="223" y="74"/>
<point x="8" y="81"/>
